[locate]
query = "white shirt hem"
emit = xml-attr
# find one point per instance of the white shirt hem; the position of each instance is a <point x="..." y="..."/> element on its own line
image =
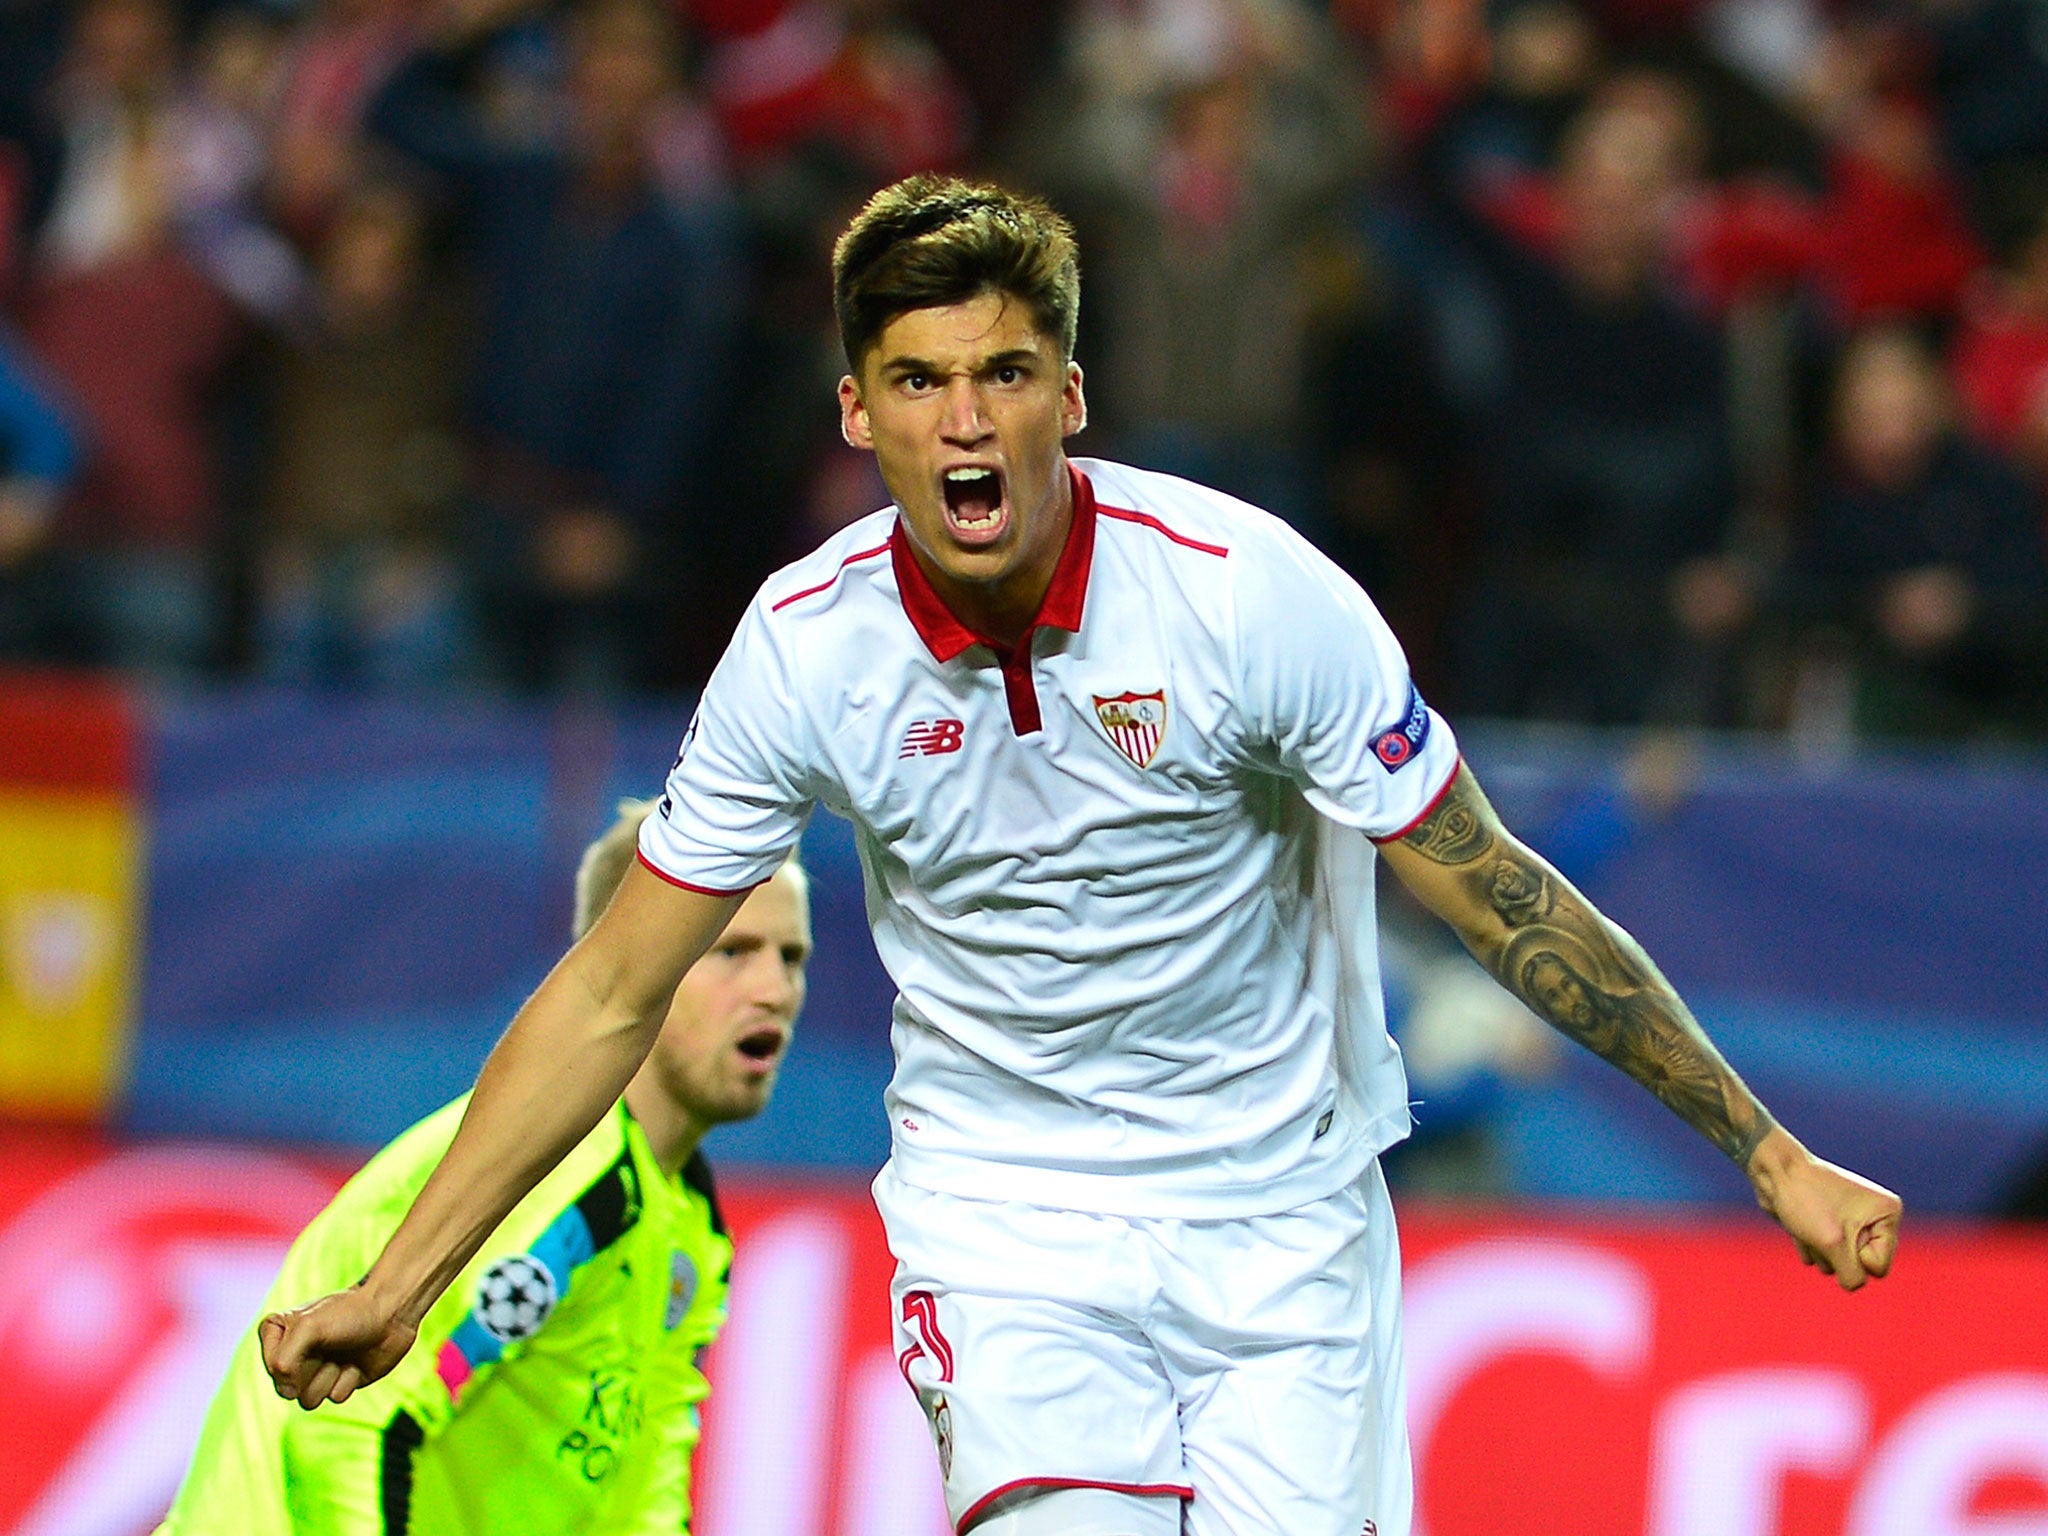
<point x="1114" y="1193"/>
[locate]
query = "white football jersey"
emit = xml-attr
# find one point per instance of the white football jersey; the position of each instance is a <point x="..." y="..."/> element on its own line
<point x="1120" y="876"/>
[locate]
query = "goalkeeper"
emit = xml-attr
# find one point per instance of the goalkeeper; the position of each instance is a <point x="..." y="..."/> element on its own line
<point x="554" y="1388"/>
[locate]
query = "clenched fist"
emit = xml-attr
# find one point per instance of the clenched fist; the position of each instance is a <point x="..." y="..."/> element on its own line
<point x="1844" y="1224"/>
<point x="323" y="1351"/>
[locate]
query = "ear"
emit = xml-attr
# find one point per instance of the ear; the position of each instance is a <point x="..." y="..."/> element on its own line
<point x="853" y="416"/>
<point x="1073" y="403"/>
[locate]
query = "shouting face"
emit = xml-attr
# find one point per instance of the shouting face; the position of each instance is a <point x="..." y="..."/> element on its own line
<point x="966" y="407"/>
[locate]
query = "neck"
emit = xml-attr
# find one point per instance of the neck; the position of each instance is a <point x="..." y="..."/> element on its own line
<point x="1004" y="610"/>
<point x="672" y="1132"/>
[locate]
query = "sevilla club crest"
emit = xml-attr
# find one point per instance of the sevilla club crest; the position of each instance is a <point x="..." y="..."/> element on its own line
<point x="1136" y="722"/>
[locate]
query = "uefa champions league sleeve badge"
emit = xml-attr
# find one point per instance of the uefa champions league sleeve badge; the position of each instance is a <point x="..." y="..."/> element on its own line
<point x="515" y="1296"/>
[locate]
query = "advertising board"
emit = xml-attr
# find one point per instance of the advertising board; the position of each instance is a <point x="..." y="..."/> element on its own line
<point x="1589" y="1373"/>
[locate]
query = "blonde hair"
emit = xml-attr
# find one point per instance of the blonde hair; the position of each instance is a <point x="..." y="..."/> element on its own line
<point x="606" y="861"/>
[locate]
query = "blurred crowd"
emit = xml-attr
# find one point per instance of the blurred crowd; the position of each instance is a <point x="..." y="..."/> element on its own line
<point x="1670" y="362"/>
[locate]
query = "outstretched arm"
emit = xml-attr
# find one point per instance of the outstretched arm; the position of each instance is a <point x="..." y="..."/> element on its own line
<point x="1555" y="951"/>
<point x="563" y="1063"/>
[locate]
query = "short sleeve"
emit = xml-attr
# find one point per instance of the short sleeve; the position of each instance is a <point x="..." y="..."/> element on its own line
<point x="737" y="796"/>
<point x="1325" y="691"/>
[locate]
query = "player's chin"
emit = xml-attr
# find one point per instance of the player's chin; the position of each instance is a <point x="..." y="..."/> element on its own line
<point x="749" y="1095"/>
<point x="976" y="563"/>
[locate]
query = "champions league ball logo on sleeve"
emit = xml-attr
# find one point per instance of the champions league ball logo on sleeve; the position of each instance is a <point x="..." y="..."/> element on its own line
<point x="1395" y="747"/>
<point x="514" y="1297"/>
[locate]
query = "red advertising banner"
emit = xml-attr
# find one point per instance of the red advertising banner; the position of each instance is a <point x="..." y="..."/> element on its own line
<point x="1678" y="1379"/>
<point x="125" y="1279"/>
<point x="1596" y="1375"/>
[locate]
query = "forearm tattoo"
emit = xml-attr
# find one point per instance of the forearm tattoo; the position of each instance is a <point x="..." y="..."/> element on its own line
<point x="1559" y="955"/>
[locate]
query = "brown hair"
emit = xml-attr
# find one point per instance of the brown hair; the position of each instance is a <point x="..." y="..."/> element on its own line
<point x="936" y="240"/>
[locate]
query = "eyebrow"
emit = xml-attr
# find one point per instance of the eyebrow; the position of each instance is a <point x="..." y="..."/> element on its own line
<point x="1014" y="357"/>
<point x="731" y="940"/>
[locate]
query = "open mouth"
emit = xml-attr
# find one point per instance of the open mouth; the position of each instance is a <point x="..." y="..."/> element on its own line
<point x="763" y="1045"/>
<point x="974" y="503"/>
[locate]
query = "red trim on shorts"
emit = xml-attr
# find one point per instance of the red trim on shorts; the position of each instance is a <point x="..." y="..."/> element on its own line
<point x="1143" y="1490"/>
<point x="1435" y="800"/>
<point x="1125" y="515"/>
<point x="797" y="597"/>
<point x="701" y="890"/>
<point x="923" y="1307"/>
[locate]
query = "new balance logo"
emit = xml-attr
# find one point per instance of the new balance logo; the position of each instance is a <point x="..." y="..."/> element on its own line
<point x="928" y="738"/>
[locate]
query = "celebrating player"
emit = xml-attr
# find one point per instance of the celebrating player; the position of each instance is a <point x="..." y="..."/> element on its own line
<point x="555" y="1386"/>
<point x="1118" y="750"/>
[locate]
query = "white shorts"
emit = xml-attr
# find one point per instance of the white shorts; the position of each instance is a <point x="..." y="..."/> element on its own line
<point x="1249" y="1366"/>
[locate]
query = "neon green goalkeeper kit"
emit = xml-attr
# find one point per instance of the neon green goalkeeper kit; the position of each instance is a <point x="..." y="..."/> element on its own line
<point x="554" y="1387"/>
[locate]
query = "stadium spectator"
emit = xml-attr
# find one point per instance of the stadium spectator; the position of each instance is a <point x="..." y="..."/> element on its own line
<point x="1206" y="149"/>
<point x="1542" y="66"/>
<point x="1893" y="239"/>
<point x="1886" y="234"/>
<point x="1428" y="61"/>
<point x="124" y="313"/>
<point x="859" y="75"/>
<point x="1823" y="169"/>
<point x="1605" y="590"/>
<point x="608" y="266"/>
<point x="1999" y="354"/>
<point x="781" y="460"/>
<point x="822" y="101"/>
<point x="39" y="458"/>
<point x="556" y="1388"/>
<point x="1926" y="549"/>
<point x="337" y="59"/>
<point x="222" y="137"/>
<point x="360" y="581"/>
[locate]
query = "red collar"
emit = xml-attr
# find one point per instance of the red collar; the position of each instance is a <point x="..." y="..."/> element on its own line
<point x="946" y="637"/>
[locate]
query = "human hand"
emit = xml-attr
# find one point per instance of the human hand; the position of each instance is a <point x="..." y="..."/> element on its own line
<point x="323" y="1351"/>
<point x="1843" y="1224"/>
